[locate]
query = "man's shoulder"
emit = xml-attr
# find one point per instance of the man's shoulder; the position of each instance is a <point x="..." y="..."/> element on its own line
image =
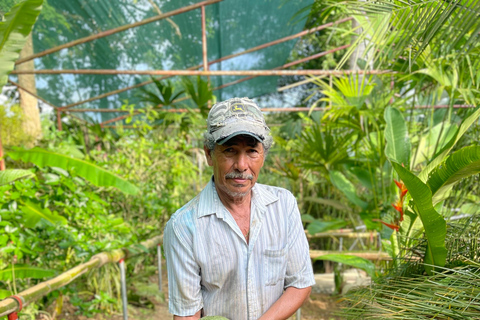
<point x="184" y="215"/>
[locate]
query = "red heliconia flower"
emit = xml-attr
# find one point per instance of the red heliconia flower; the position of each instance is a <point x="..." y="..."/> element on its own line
<point x="390" y="225"/>
<point x="402" y="187"/>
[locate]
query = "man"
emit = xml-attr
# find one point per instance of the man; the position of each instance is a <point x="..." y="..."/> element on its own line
<point x="238" y="249"/>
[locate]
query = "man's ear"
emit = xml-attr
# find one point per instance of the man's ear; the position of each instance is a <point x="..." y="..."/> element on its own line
<point x="208" y="155"/>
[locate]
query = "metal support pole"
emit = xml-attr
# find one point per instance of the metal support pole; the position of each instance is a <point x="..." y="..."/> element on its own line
<point x="159" y="256"/>
<point x="123" y="283"/>
<point x="298" y="314"/>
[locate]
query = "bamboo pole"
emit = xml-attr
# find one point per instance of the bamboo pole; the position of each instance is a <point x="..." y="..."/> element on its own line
<point x="116" y="30"/>
<point x="369" y="255"/>
<point x="33" y="94"/>
<point x="236" y="82"/>
<point x="34" y="293"/>
<point x="264" y="109"/>
<point x="268" y="44"/>
<point x="206" y="73"/>
<point x="204" y="41"/>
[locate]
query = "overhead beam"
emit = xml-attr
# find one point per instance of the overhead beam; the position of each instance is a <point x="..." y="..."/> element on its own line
<point x="33" y="94"/>
<point x="244" y="79"/>
<point x="263" y="46"/>
<point x="207" y="73"/>
<point x="116" y="30"/>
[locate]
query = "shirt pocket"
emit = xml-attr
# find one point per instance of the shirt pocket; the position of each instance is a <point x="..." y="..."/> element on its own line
<point x="275" y="265"/>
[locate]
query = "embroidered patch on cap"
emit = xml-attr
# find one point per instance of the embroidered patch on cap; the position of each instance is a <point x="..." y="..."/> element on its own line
<point x="238" y="107"/>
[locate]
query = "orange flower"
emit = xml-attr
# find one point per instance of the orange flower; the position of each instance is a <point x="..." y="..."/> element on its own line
<point x="402" y="187"/>
<point x="390" y="225"/>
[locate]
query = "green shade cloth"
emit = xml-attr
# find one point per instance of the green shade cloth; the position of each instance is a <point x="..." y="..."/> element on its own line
<point x="232" y="26"/>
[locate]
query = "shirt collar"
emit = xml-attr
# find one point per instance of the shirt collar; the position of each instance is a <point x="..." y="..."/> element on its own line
<point x="210" y="202"/>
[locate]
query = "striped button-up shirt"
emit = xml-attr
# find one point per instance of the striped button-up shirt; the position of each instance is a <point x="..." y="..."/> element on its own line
<point x="211" y="266"/>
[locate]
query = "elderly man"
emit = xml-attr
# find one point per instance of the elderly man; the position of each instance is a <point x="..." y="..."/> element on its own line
<point x="238" y="249"/>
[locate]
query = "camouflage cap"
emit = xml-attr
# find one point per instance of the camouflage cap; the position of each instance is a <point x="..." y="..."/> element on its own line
<point x="236" y="116"/>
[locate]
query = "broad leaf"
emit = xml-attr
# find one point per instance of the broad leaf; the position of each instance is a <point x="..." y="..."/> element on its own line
<point x="329" y="202"/>
<point x="23" y="271"/>
<point x="318" y="226"/>
<point x="11" y="175"/>
<point x="87" y="170"/>
<point x="5" y="293"/>
<point x="398" y="145"/>
<point x="433" y="223"/>
<point x="33" y="213"/>
<point x="13" y="34"/>
<point x="347" y="188"/>
<point x="446" y="150"/>
<point x="353" y="261"/>
<point x="461" y="164"/>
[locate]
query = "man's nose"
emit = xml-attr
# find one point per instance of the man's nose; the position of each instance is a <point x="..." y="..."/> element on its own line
<point x="241" y="162"/>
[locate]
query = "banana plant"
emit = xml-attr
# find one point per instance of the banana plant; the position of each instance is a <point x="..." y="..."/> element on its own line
<point x="14" y="32"/>
<point x="430" y="187"/>
<point x="85" y="169"/>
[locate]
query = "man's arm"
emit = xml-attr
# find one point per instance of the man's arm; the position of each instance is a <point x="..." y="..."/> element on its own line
<point x="196" y="316"/>
<point x="287" y="304"/>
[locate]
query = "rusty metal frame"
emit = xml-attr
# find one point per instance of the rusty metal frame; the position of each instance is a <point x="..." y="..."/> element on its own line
<point x="240" y="80"/>
<point x="263" y="46"/>
<point x="168" y="73"/>
<point x="118" y="29"/>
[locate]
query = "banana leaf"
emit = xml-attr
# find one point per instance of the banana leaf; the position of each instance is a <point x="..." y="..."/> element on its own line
<point x="5" y="293"/>
<point x="347" y="188"/>
<point x="329" y="202"/>
<point x="442" y="154"/>
<point x="11" y="175"/>
<point x="14" y="32"/>
<point x="87" y="170"/>
<point x="353" y="261"/>
<point x="433" y="223"/>
<point x="318" y="226"/>
<point x="34" y="213"/>
<point x="461" y="164"/>
<point x="23" y="271"/>
<point x="396" y="133"/>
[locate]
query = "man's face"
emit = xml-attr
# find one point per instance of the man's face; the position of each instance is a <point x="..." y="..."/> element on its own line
<point x="236" y="165"/>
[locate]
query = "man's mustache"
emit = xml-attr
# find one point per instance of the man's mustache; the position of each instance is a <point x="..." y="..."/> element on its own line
<point x="238" y="175"/>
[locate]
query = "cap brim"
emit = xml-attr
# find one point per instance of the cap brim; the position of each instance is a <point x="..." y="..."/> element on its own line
<point x="245" y="133"/>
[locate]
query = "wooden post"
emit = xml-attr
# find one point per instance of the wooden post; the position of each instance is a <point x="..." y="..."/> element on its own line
<point x="59" y="120"/>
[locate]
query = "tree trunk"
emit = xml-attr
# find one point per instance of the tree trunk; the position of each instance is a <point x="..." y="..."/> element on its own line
<point x="29" y="104"/>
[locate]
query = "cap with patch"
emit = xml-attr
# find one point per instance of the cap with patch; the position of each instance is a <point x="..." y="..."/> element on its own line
<point x="234" y="117"/>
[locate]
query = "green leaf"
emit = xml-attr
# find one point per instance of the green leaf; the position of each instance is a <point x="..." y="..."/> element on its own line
<point x="396" y="134"/>
<point x="13" y="34"/>
<point x="461" y="164"/>
<point x="23" y="271"/>
<point x="347" y="188"/>
<point x="87" y="170"/>
<point x="433" y="223"/>
<point x="318" y="226"/>
<point x="329" y="202"/>
<point x="446" y="150"/>
<point x="353" y="261"/>
<point x="33" y="214"/>
<point x="11" y="175"/>
<point x="5" y="293"/>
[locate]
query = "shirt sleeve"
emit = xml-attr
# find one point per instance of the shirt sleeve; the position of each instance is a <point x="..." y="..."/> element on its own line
<point x="299" y="273"/>
<point x="184" y="294"/>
